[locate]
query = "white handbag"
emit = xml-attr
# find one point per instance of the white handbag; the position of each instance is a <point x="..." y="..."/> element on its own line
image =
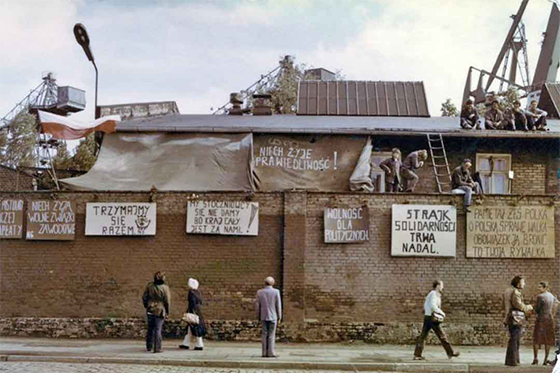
<point x="191" y="318"/>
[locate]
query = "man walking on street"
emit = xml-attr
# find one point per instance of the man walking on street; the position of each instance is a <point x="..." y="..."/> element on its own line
<point x="156" y="300"/>
<point x="269" y="312"/>
<point x="433" y="317"/>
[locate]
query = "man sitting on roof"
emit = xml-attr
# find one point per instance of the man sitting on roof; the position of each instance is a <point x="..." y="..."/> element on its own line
<point x="536" y="117"/>
<point x="413" y="161"/>
<point x="494" y="118"/>
<point x="461" y="180"/>
<point x="517" y="120"/>
<point x="469" y="116"/>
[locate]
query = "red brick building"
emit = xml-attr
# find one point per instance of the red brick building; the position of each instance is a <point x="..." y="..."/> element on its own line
<point x="330" y="291"/>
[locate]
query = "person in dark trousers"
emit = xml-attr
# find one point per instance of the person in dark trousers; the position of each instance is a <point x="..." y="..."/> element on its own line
<point x="156" y="300"/>
<point x="517" y="118"/>
<point x="543" y="333"/>
<point x="515" y="311"/>
<point x="432" y="306"/>
<point x="195" y="306"/>
<point x="469" y="117"/>
<point x="392" y="167"/>
<point x="462" y="180"/>
<point x="494" y="118"/>
<point x="269" y="311"/>
<point x="411" y="163"/>
<point x="536" y="117"/>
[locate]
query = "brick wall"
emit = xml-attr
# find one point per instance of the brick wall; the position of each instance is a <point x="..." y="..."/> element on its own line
<point x="105" y="276"/>
<point x="351" y="282"/>
<point x="330" y="292"/>
<point x="12" y="180"/>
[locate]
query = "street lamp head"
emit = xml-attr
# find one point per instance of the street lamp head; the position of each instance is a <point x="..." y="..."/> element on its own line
<point x="83" y="39"/>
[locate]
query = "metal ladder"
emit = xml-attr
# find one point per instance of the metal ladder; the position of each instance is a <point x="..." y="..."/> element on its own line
<point x="439" y="162"/>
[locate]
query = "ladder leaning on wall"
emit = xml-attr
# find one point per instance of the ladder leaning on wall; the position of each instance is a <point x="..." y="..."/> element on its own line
<point x="439" y="162"/>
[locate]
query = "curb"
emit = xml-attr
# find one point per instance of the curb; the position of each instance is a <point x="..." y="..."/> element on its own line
<point x="279" y="365"/>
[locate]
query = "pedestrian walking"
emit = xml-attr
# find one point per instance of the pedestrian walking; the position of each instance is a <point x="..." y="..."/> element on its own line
<point x="433" y="317"/>
<point x="515" y="315"/>
<point x="269" y="311"/>
<point x="195" y="306"/>
<point x="544" y="326"/>
<point x="156" y="300"/>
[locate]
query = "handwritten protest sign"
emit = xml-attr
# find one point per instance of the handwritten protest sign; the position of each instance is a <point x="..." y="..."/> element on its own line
<point x="346" y="224"/>
<point x="223" y="217"/>
<point x="510" y="232"/>
<point x="51" y="220"/>
<point x="423" y="230"/>
<point x="317" y="162"/>
<point x="11" y="218"/>
<point x="121" y="219"/>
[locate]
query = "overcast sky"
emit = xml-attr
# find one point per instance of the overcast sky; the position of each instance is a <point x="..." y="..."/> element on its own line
<point x="198" y="51"/>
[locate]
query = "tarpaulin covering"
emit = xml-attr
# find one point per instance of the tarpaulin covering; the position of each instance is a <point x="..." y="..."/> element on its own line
<point x="187" y="162"/>
<point x="361" y="179"/>
<point x="69" y="129"/>
<point x="310" y="162"/>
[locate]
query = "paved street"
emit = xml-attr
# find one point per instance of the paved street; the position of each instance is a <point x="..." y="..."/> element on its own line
<point x="22" y="355"/>
<point x="125" y="368"/>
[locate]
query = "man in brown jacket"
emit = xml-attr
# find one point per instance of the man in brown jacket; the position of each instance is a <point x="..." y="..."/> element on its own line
<point x="494" y="118"/>
<point x="514" y="318"/>
<point x="156" y="300"/>
<point x="412" y="162"/>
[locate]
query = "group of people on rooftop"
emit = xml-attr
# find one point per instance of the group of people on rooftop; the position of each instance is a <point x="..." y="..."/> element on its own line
<point x="401" y="176"/>
<point x="514" y="118"/>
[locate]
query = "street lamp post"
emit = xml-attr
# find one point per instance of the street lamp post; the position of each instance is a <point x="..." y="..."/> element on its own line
<point x="83" y="39"/>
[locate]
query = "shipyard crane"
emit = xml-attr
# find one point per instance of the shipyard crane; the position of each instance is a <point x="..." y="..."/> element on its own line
<point x="264" y="84"/>
<point x="47" y="96"/>
<point x="514" y="54"/>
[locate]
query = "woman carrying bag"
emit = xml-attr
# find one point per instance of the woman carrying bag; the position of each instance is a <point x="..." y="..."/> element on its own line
<point x="195" y="307"/>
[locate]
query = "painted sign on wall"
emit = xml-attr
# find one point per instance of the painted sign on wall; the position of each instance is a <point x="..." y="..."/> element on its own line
<point x="51" y="220"/>
<point x="318" y="162"/>
<point x="11" y="218"/>
<point x="510" y="232"/>
<point x="346" y="224"/>
<point x="223" y="217"/>
<point x="121" y="219"/>
<point x="424" y="230"/>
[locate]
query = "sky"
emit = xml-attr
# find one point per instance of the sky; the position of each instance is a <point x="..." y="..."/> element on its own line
<point x="196" y="52"/>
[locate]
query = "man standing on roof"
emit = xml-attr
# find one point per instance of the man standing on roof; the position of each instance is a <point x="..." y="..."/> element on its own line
<point x="469" y="116"/>
<point x="462" y="180"/>
<point x="536" y="117"/>
<point x="412" y="162"/>
<point x="392" y="167"/>
<point x="494" y="118"/>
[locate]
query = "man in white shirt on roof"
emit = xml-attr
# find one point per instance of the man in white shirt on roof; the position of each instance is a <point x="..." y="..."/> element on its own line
<point x="433" y="312"/>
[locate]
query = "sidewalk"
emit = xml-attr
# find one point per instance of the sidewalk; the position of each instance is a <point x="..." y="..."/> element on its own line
<point x="343" y="357"/>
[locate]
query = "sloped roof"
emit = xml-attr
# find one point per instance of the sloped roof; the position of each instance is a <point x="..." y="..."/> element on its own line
<point x="350" y="97"/>
<point x="401" y="126"/>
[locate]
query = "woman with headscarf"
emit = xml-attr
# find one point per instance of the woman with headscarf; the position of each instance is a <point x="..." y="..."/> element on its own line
<point x="195" y="306"/>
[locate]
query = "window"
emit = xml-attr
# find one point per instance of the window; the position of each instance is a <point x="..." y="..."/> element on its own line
<point x="494" y="172"/>
<point x="377" y="174"/>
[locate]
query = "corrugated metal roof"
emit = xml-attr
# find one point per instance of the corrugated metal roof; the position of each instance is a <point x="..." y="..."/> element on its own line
<point x="550" y="99"/>
<point x="403" y="126"/>
<point x="345" y="97"/>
